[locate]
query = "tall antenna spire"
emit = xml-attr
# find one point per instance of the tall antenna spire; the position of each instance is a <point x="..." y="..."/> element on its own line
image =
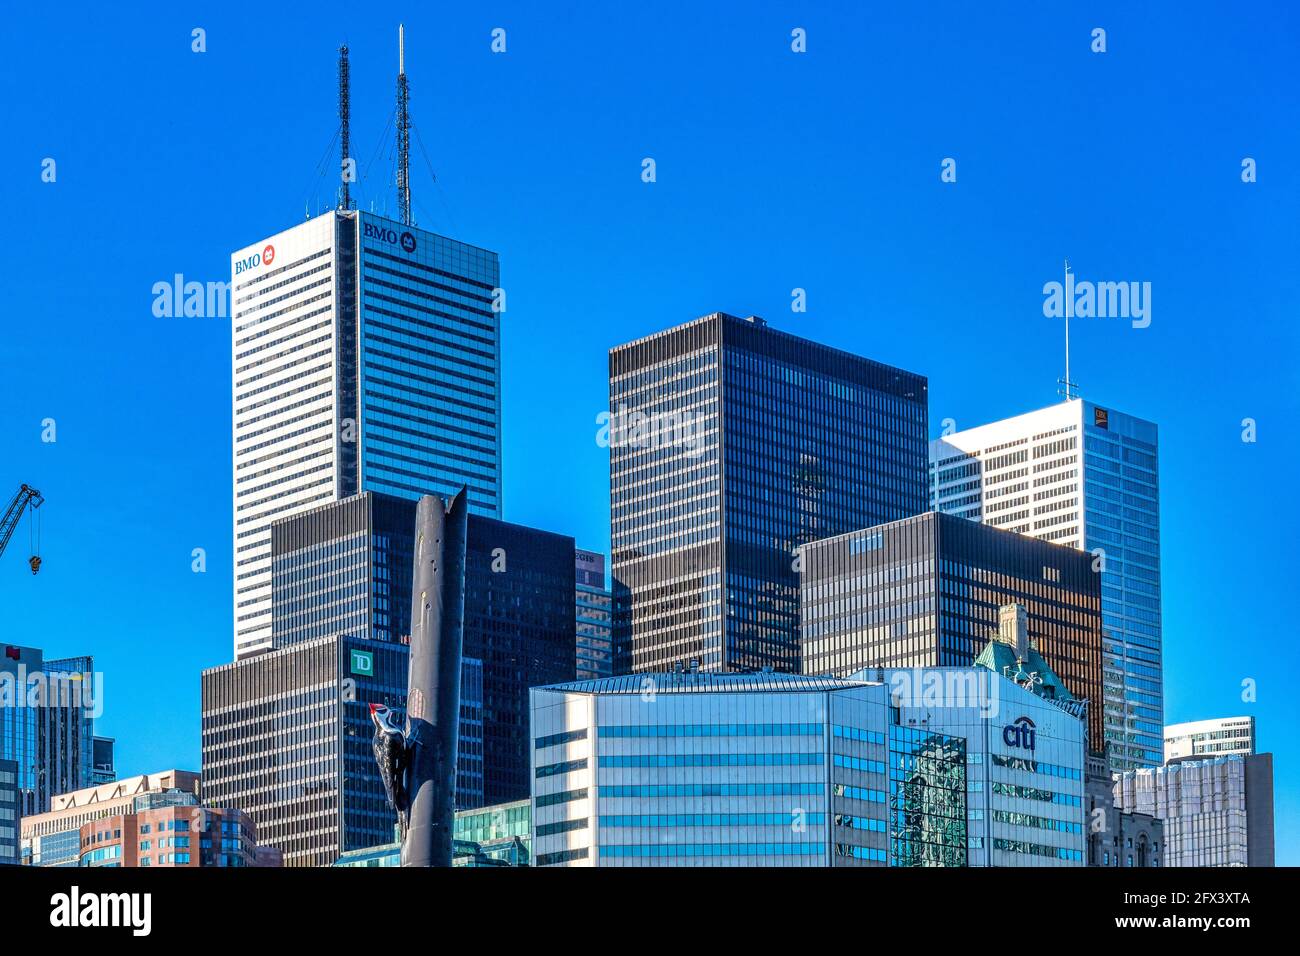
<point x="345" y="134"/>
<point x="403" y="132"/>
<point x="1068" y="388"/>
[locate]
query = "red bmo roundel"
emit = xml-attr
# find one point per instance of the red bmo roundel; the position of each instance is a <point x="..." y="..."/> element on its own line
<point x="268" y="255"/>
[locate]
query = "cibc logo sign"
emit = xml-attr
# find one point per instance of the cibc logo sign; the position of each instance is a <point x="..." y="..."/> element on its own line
<point x="391" y="236"/>
<point x="264" y="258"/>
<point x="1019" y="733"/>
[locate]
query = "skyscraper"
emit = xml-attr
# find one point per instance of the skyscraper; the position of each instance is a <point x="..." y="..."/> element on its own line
<point x="365" y="355"/>
<point x="47" y="723"/>
<point x="1087" y="477"/>
<point x="730" y="444"/>
<point x="934" y="590"/>
<point x="286" y="737"/>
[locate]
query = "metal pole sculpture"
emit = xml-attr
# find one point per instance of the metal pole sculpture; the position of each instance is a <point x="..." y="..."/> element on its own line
<point x="419" y="765"/>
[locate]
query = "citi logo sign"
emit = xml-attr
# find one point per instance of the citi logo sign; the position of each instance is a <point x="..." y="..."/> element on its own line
<point x="264" y="258"/>
<point x="391" y="236"/>
<point x="1021" y="734"/>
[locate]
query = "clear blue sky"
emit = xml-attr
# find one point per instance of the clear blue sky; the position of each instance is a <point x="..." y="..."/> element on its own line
<point x="775" y="171"/>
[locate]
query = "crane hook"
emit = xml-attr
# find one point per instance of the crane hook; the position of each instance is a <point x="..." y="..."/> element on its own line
<point x="35" y="562"/>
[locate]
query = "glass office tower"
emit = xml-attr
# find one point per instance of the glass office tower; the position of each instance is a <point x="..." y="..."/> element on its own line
<point x="730" y="445"/>
<point x="49" y="733"/>
<point x="365" y="355"/>
<point x="928" y="591"/>
<point x="1086" y="477"/>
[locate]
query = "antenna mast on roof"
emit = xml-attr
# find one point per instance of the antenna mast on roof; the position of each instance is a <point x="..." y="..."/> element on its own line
<point x="1068" y="388"/>
<point x="345" y="135"/>
<point x="403" y="132"/>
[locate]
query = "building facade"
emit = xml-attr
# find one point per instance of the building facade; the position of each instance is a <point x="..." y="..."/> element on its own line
<point x="1085" y="477"/>
<point x="1116" y="837"/>
<point x="594" y="617"/>
<point x="701" y="769"/>
<point x="520" y="622"/>
<point x="345" y="568"/>
<point x="731" y="444"/>
<point x="47" y="722"/>
<point x="1025" y="759"/>
<point x="1203" y="739"/>
<point x="286" y="737"/>
<point x="485" y="836"/>
<point x="11" y="809"/>
<point x="892" y="767"/>
<point x="161" y="832"/>
<point x="53" y="838"/>
<point x="1216" y="812"/>
<point x="103" y="763"/>
<point x="365" y="355"/>
<point x="929" y="591"/>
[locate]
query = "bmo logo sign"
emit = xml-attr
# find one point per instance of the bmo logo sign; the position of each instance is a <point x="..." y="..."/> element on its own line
<point x="405" y="240"/>
<point x="264" y="258"/>
<point x="1020" y="733"/>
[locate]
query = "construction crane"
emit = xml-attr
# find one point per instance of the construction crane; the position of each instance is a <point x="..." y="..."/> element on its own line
<point x="27" y="495"/>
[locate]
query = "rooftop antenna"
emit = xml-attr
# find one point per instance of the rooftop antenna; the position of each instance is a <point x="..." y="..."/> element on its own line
<point x="1068" y="388"/>
<point x="403" y="132"/>
<point x="345" y="137"/>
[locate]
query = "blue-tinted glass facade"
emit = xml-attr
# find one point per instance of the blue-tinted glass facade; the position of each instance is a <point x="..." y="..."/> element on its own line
<point x="52" y="743"/>
<point x="730" y="445"/>
<point x="428" y="362"/>
<point x="1122" y="518"/>
<point x="927" y="798"/>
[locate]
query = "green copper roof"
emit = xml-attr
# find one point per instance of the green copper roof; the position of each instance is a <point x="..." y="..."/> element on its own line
<point x="1000" y="658"/>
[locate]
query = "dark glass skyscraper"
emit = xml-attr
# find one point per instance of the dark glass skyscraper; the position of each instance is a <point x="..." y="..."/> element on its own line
<point x="341" y="585"/>
<point x="287" y="739"/>
<point x="730" y="445"/>
<point x="928" y="592"/>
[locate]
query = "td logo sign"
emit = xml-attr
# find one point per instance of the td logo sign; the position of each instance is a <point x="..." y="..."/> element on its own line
<point x="363" y="663"/>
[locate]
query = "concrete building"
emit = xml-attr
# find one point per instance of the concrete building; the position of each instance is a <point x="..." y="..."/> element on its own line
<point x="1085" y="477"/>
<point x="595" y="627"/>
<point x="1201" y="739"/>
<point x="162" y="833"/>
<point x="1216" y="812"/>
<point x="731" y="444"/>
<point x="53" y="838"/>
<point x="47" y="722"/>
<point x="1116" y="837"/>
<point x="901" y="767"/>
<point x="10" y="812"/>
<point x="930" y="591"/>
<point x="365" y="356"/>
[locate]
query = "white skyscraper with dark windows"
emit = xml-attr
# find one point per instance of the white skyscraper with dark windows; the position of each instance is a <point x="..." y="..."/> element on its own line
<point x="365" y="355"/>
<point x="1087" y="477"/>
